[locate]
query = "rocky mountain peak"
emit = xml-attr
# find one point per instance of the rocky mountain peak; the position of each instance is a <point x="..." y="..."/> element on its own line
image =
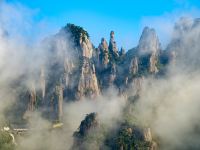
<point x="149" y="41"/>
<point x="103" y="46"/>
<point x="113" y="44"/>
<point x="90" y="121"/>
<point x="81" y="39"/>
<point x="103" y="56"/>
<point x="112" y="34"/>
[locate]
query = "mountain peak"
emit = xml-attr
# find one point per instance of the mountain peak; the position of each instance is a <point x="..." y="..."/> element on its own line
<point x="149" y="41"/>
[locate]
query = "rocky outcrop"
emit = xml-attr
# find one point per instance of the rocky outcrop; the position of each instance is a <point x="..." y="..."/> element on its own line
<point x="109" y="77"/>
<point x="147" y="135"/>
<point x="80" y="39"/>
<point x="112" y="43"/>
<point x="86" y="46"/>
<point x="149" y="42"/>
<point x="148" y="138"/>
<point x="59" y="97"/>
<point x="149" y="45"/>
<point x="77" y="71"/>
<point x="43" y="82"/>
<point x="56" y="102"/>
<point x="131" y="137"/>
<point x="113" y="73"/>
<point x="108" y="57"/>
<point x="153" y="60"/>
<point x="86" y="136"/>
<point x="69" y="67"/>
<point x="90" y="122"/>
<point x="113" y="46"/>
<point x="88" y="85"/>
<point x="32" y="98"/>
<point x="133" y="69"/>
<point x="103" y="46"/>
<point x="103" y="54"/>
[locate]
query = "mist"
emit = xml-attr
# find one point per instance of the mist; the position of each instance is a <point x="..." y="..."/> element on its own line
<point x="168" y="105"/>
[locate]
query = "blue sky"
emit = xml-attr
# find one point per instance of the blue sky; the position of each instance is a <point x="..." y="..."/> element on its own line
<point x="125" y="17"/>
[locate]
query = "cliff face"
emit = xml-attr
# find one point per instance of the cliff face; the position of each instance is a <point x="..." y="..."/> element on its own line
<point x="86" y="46"/>
<point x="78" y="70"/>
<point x="59" y="98"/>
<point x="153" y="60"/>
<point x="88" y="85"/>
<point x="68" y="67"/>
<point x="133" y="69"/>
<point x="149" y="44"/>
<point x="103" y="54"/>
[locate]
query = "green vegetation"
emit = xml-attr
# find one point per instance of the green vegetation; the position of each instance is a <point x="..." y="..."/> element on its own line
<point x="128" y="137"/>
<point x="77" y="33"/>
<point x="90" y="134"/>
<point x="6" y="141"/>
<point x="129" y="141"/>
